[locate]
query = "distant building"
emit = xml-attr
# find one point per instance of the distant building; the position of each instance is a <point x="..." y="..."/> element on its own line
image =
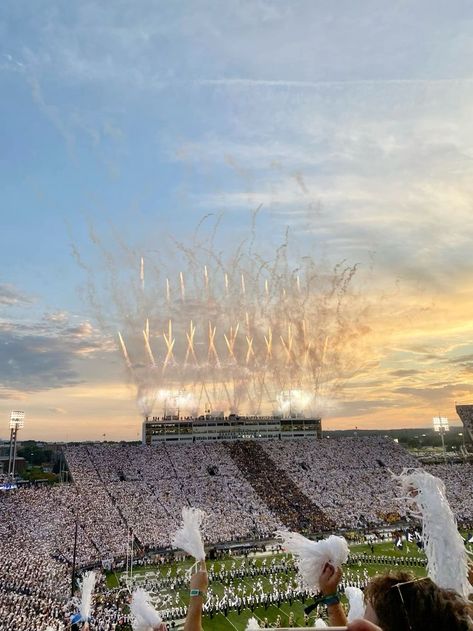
<point x="215" y="427"/>
<point x="465" y="412"/>
<point x="20" y="464"/>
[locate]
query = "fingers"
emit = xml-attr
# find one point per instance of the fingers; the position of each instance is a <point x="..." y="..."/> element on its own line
<point x="328" y="570"/>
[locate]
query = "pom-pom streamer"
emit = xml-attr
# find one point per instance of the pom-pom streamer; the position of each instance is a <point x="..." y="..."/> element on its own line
<point x="145" y="616"/>
<point x="356" y="603"/>
<point x="312" y="556"/>
<point x="86" y="589"/>
<point x="447" y="559"/>
<point x="188" y="537"/>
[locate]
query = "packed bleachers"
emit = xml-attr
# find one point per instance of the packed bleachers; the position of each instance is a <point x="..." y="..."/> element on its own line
<point x="350" y="479"/>
<point x="145" y="489"/>
<point x="284" y="497"/>
<point x="336" y="482"/>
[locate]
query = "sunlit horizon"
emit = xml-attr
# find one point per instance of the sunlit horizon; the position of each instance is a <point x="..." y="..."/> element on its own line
<point x="142" y="145"/>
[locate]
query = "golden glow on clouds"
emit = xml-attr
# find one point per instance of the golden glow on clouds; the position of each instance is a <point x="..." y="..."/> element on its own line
<point x="416" y="362"/>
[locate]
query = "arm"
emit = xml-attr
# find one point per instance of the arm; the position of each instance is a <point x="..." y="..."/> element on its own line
<point x="199" y="581"/>
<point x="328" y="581"/>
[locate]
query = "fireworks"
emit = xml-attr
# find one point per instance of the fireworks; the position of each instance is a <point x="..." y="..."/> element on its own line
<point x="242" y="334"/>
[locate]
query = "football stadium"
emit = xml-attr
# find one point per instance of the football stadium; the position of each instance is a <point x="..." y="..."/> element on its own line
<point x="236" y="315"/>
<point x="122" y="506"/>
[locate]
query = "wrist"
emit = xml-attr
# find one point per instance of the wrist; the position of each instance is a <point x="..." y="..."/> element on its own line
<point x="326" y="593"/>
<point x="331" y="600"/>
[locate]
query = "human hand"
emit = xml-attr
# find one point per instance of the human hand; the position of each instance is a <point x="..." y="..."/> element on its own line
<point x="329" y="579"/>
<point x="200" y="579"/>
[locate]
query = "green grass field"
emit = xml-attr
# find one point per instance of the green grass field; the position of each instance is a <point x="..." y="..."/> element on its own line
<point x="237" y="621"/>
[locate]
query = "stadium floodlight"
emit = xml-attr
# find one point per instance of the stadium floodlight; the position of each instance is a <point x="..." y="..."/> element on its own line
<point x="441" y="426"/>
<point x="17" y="419"/>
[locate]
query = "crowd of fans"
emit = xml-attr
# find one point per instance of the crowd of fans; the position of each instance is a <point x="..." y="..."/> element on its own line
<point x="350" y="479"/>
<point x="296" y="509"/>
<point x="148" y="486"/>
<point x="248" y="490"/>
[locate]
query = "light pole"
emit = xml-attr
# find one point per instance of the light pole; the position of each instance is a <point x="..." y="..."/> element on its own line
<point x="74" y="558"/>
<point x="17" y="421"/>
<point x="441" y="426"/>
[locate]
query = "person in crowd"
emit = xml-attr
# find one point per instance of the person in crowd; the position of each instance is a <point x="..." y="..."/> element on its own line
<point x="198" y="591"/>
<point x="401" y="602"/>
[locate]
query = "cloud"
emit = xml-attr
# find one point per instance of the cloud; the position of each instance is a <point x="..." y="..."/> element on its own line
<point x="405" y="372"/>
<point x="10" y="296"/>
<point x="56" y="411"/>
<point x="45" y="355"/>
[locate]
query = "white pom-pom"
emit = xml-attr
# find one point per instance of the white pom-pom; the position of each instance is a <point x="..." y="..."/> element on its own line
<point x="252" y="624"/>
<point x="447" y="559"/>
<point x="145" y="616"/>
<point x="86" y="589"/>
<point x="356" y="603"/>
<point x="320" y="624"/>
<point x="188" y="537"/>
<point x="313" y="555"/>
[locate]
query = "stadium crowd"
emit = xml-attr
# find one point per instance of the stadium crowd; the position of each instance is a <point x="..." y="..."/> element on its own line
<point x="349" y="478"/>
<point x="118" y="487"/>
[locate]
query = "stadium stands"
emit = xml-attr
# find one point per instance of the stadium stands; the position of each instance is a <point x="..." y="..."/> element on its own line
<point x="349" y="478"/>
<point x="276" y="489"/>
<point x="248" y="490"/>
<point x="465" y="412"/>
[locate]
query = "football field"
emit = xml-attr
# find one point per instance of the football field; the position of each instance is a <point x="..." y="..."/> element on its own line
<point x="262" y="573"/>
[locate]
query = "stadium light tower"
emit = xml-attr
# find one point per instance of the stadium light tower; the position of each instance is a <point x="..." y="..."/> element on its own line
<point x="17" y="421"/>
<point x="441" y="426"/>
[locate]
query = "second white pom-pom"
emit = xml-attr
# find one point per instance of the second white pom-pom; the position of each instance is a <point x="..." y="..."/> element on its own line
<point x="312" y="556"/>
<point x="188" y="537"/>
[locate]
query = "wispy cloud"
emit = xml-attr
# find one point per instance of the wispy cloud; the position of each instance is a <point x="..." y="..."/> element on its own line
<point x="10" y="296"/>
<point x="44" y="355"/>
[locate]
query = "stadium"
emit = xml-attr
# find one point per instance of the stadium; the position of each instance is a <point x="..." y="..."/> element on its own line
<point x="235" y="289"/>
<point x="122" y="504"/>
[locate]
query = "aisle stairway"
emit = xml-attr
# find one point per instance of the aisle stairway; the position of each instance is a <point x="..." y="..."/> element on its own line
<point x="280" y="494"/>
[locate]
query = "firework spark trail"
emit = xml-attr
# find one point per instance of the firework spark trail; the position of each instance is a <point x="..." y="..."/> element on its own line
<point x="183" y="289"/>
<point x="170" y="340"/>
<point x="168" y="290"/>
<point x="125" y="352"/>
<point x="190" y="344"/>
<point x="212" y="352"/>
<point x="148" y="349"/>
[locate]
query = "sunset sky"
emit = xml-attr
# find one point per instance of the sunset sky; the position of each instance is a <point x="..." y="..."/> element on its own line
<point x="128" y="122"/>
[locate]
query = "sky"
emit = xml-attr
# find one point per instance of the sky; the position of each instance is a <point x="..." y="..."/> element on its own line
<point x="128" y="122"/>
